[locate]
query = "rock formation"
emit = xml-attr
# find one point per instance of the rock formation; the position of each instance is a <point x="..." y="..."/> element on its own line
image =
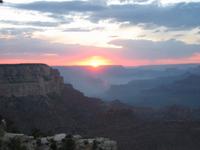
<point x="58" y="141"/>
<point x="52" y="107"/>
<point x="29" y="79"/>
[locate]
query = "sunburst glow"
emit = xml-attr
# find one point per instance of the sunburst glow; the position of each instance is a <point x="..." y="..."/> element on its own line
<point x="95" y="61"/>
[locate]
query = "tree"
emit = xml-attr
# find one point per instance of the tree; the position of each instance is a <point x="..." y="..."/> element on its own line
<point x="94" y="145"/>
<point x="68" y="143"/>
<point x="36" y="133"/>
<point x="2" y="129"/>
<point x="1" y="144"/>
<point x="15" y="144"/>
<point x="53" y="145"/>
<point x="38" y="142"/>
<point x="1" y="1"/>
<point x="2" y="132"/>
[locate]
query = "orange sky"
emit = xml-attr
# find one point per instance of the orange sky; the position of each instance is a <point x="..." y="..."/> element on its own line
<point x="101" y="60"/>
<point x="120" y="35"/>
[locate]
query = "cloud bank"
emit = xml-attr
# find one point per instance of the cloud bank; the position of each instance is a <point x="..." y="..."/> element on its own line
<point x="181" y="15"/>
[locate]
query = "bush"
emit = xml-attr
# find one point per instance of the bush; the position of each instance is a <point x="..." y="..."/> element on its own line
<point x="2" y="132"/>
<point x="38" y="142"/>
<point x="15" y="144"/>
<point x="53" y="145"/>
<point x="1" y="144"/>
<point x="36" y="133"/>
<point x="68" y="143"/>
<point x="86" y="142"/>
<point x="94" y="145"/>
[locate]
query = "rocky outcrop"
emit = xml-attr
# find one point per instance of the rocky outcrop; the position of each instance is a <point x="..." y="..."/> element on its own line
<point x="58" y="141"/>
<point x="29" y="79"/>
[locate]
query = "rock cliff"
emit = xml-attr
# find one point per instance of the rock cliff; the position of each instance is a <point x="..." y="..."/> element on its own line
<point x="29" y="79"/>
<point x="51" y="107"/>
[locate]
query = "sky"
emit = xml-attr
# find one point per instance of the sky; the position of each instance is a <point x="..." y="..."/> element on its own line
<point x="100" y="32"/>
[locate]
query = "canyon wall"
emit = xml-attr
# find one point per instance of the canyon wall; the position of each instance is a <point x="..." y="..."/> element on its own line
<point x="29" y="79"/>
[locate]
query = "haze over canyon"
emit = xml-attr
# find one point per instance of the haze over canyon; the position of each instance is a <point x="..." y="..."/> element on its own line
<point x="99" y="74"/>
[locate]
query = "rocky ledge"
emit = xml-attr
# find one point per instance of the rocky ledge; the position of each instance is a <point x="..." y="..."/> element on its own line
<point x="29" y="79"/>
<point x="56" y="142"/>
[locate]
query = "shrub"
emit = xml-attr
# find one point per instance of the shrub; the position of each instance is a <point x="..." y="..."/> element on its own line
<point x="86" y="142"/>
<point x="36" y="133"/>
<point x="1" y="144"/>
<point x="53" y="145"/>
<point x="94" y="145"/>
<point x="15" y="144"/>
<point x="68" y="143"/>
<point x="38" y="142"/>
<point x="2" y="132"/>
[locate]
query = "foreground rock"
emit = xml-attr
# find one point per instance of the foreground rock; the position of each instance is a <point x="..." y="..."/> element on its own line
<point x="56" y="142"/>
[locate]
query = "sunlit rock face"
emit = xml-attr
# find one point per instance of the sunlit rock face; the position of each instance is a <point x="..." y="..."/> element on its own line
<point x="29" y="79"/>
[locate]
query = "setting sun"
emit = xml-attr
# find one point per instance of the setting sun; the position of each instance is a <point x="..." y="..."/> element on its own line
<point x="95" y="61"/>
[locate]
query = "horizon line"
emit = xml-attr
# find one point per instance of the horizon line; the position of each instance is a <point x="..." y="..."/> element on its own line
<point x="109" y="65"/>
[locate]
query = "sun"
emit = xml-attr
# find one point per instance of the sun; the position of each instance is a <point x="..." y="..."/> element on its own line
<point x="95" y="61"/>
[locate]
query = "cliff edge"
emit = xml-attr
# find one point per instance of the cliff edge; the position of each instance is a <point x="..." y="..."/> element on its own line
<point x="29" y="79"/>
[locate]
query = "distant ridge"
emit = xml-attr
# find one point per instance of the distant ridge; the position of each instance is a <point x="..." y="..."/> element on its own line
<point x="23" y="64"/>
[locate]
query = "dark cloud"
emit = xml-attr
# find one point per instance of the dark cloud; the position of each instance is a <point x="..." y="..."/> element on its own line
<point x="138" y="1"/>
<point x="178" y="16"/>
<point x="144" y="49"/>
<point x="182" y="15"/>
<point x="157" y="31"/>
<point x="61" y="7"/>
<point x="18" y="31"/>
<point x="32" y="23"/>
<point x="178" y="35"/>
